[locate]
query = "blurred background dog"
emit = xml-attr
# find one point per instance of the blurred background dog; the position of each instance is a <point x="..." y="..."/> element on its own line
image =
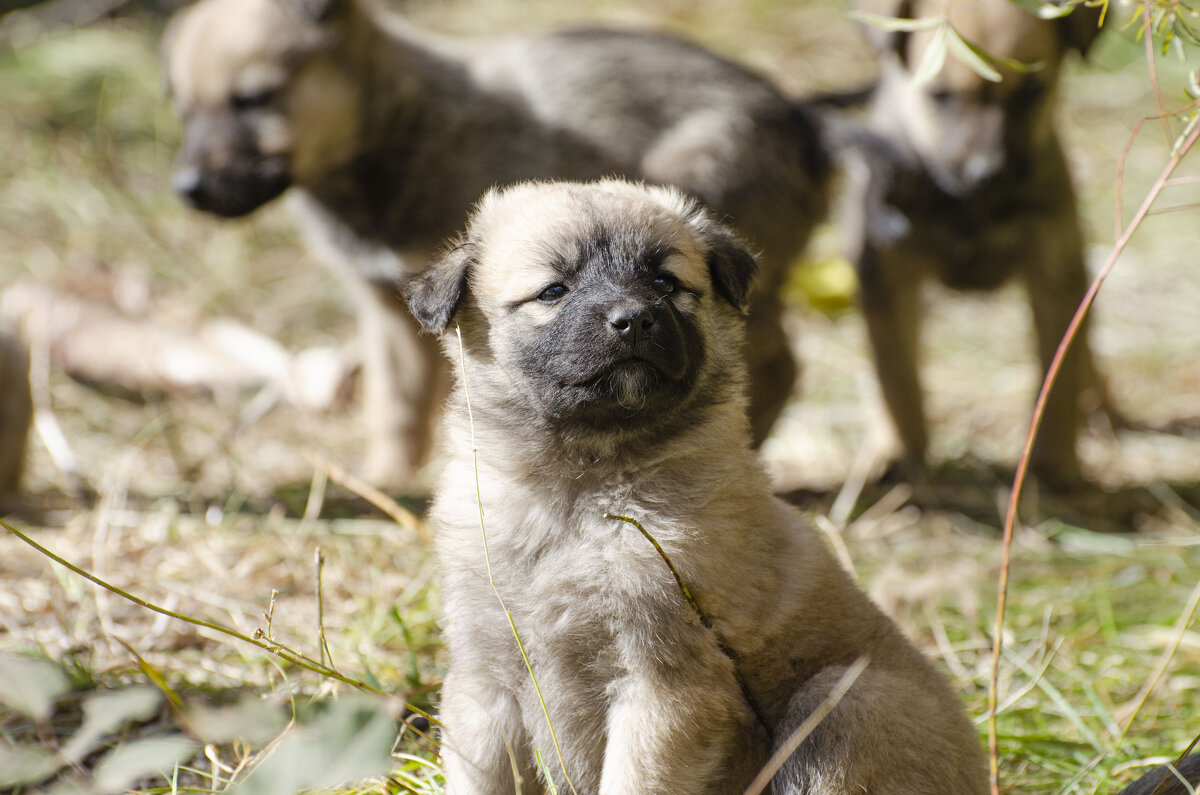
<point x="388" y="135"/>
<point x="966" y="182"/>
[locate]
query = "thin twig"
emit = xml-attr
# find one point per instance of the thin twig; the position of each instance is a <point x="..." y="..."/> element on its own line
<point x="1152" y="66"/>
<point x="397" y="512"/>
<point x="326" y="655"/>
<point x="1175" y="208"/>
<point x="487" y="556"/>
<point x="1177" y="154"/>
<point x="840" y="688"/>
<point x="316" y="496"/>
<point x="270" y="615"/>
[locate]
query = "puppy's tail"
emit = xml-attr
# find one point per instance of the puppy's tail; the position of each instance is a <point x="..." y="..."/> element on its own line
<point x="1163" y="781"/>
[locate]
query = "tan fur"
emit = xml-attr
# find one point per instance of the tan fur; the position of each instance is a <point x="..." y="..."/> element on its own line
<point x="968" y="183"/>
<point x="641" y="695"/>
<point x="16" y="411"/>
<point x="388" y="134"/>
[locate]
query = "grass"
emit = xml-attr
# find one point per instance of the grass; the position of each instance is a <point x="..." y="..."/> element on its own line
<point x="200" y="510"/>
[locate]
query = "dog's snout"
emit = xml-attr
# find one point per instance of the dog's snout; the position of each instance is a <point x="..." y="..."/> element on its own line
<point x="630" y="321"/>
<point x="189" y="183"/>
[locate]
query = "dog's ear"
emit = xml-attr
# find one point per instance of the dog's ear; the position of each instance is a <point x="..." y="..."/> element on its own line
<point x="731" y="266"/>
<point x="434" y="294"/>
<point x="733" y="269"/>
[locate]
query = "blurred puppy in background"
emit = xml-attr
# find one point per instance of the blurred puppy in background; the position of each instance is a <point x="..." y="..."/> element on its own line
<point x="16" y="411"/>
<point x="388" y="135"/>
<point x="966" y="181"/>
<point x="601" y="329"/>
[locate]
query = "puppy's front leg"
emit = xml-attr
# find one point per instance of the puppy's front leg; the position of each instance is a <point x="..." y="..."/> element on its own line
<point x="669" y="736"/>
<point x="484" y="745"/>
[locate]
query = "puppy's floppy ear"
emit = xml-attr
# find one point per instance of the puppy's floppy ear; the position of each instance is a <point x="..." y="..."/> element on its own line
<point x="435" y="293"/>
<point x="731" y="266"/>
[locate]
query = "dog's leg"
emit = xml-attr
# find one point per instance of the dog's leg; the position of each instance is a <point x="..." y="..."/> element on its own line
<point x="889" y="286"/>
<point x="669" y="734"/>
<point x="404" y="381"/>
<point x="868" y="742"/>
<point x="484" y="746"/>
<point x="16" y="412"/>
<point x="771" y="367"/>
<point x="1056" y="283"/>
<point x="1054" y="453"/>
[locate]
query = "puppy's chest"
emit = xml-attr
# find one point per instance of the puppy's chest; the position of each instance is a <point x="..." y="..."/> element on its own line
<point x="575" y="564"/>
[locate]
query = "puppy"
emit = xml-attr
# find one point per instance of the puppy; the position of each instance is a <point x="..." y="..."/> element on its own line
<point x="16" y="411"/>
<point x="386" y="136"/>
<point x="601" y="329"/>
<point x="968" y="184"/>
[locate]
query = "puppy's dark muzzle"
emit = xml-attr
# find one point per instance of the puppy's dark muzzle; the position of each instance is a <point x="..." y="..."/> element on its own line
<point x="631" y="322"/>
<point x="233" y="192"/>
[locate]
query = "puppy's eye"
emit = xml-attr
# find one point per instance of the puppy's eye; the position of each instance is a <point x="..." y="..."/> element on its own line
<point x="664" y="284"/>
<point x="251" y="100"/>
<point x="552" y="293"/>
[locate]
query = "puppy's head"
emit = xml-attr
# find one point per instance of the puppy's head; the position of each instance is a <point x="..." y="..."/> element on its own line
<point x="968" y="130"/>
<point x="598" y="307"/>
<point x="263" y="95"/>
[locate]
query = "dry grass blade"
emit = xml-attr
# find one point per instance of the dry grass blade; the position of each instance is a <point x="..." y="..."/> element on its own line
<point x="487" y="556"/>
<point x="1181" y="626"/>
<point x="278" y="649"/>
<point x="397" y="512"/>
<point x="806" y="728"/>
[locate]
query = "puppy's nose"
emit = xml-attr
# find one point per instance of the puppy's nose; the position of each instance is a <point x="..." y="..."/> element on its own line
<point x="189" y="183"/>
<point x="630" y="321"/>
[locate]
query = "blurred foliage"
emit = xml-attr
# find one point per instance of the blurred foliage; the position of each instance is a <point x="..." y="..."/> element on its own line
<point x="122" y="737"/>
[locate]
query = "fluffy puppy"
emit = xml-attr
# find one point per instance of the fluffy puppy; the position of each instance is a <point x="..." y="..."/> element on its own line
<point x="601" y="329"/>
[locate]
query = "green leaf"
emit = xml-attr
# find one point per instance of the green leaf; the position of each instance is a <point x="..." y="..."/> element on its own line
<point x="135" y="761"/>
<point x="253" y="721"/>
<point x="350" y="741"/>
<point x="104" y="713"/>
<point x="1047" y="9"/>
<point x="934" y="58"/>
<point x="31" y="685"/>
<point x="26" y="765"/>
<point x="970" y="55"/>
